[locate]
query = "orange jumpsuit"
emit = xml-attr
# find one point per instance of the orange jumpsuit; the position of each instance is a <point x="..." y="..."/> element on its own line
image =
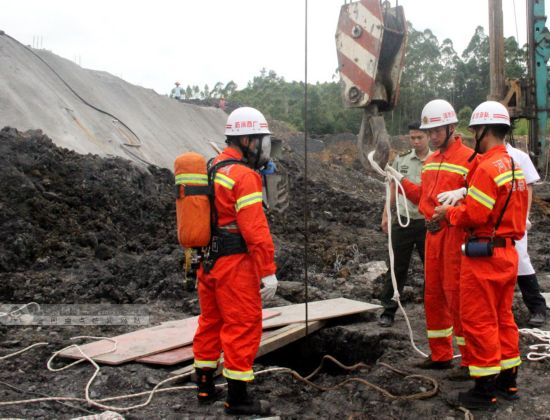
<point x="231" y="306"/>
<point x="487" y="283"/>
<point x="442" y="171"/>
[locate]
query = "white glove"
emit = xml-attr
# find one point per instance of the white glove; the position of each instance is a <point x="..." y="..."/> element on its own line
<point x="270" y="287"/>
<point x="452" y="197"/>
<point x="528" y="225"/>
<point x="394" y="173"/>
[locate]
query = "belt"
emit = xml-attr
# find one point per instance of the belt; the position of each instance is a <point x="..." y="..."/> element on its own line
<point x="502" y="242"/>
<point x="497" y="241"/>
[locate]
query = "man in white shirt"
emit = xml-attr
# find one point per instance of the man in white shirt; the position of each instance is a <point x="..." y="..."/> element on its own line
<point x="527" y="279"/>
<point x="177" y="92"/>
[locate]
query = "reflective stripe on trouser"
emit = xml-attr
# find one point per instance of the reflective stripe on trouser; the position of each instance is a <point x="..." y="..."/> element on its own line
<point x="231" y="315"/>
<point x="201" y="364"/>
<point x="487" y="292"/>
<point x="441" y="292"/>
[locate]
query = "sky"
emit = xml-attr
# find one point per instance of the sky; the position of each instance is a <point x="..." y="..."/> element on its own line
<point x="156" y="43"/>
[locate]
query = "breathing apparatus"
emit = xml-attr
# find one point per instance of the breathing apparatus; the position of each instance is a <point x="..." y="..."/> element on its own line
<point x="246" y="121"/>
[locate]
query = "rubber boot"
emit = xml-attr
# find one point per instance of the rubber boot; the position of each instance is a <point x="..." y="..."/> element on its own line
<point x="481" y="396"/>
<point x="428" y="363"/>
<point x="506" y="384"/>
<point x="206" y="390"/>
<point x="239" y="402"/>
<point x="460" y="373"/>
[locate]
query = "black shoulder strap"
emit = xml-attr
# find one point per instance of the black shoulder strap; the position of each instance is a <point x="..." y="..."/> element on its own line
<point x="507" y="198"/>
<point x="212" y="170"/>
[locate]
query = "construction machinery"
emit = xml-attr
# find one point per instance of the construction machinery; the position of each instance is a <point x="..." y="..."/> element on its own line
<point x="526" y="98"/>
<point x="371" y="39"/>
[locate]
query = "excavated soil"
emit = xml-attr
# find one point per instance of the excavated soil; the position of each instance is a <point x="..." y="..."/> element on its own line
<point x="81" y="229"/>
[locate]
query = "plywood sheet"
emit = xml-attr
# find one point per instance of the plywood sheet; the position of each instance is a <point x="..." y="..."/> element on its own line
<point x="271" y="340"/>
<point x="144" y="342"/>
<point x="323" y="309"/>
<point x="184" y="354"/>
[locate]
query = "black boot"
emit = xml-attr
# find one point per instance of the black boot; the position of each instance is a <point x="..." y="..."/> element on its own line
<point x="506" y="384"/>
<point x="239" y="402"/>
<point x="481" y="396"/>
<point x="428" y="363"/>
<point x="206" y="390"/>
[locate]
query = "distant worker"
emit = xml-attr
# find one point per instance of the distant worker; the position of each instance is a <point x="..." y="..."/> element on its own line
<point x="527" y="279"/>
<point x="494" y="213"/>
<point x="177" y="92"/>
<point x="221" y="104"/>
<point x="405" y="239"/>
<point x="240" y="261"/>
<point x="445" y="169"/>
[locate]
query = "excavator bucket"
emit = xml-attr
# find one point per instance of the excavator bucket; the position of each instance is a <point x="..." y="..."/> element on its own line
<point x="371" y="40"/>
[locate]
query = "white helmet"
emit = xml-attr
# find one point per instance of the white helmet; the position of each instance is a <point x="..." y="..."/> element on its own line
<point x="246" y="121"/>
<point x="437" y="113"/>
<point x="490" y="112"/>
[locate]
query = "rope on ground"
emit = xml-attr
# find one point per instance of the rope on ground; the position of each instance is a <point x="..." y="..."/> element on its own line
<point x="540" y="351"/>
<point x="15" y="314"/>
<point x="307" y="379"/>
<point x="7" y="356"/>
<point x="398" y="189"/>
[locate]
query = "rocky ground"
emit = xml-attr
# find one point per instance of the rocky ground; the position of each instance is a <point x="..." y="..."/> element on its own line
<point x="87" y="230"/>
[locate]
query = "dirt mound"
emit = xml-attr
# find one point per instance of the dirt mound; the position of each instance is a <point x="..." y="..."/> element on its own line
<point x="86" y="224"/>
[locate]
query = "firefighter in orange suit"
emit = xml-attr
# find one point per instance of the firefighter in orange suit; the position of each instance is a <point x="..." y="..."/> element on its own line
<point x="241" y="260"/>
<point x="444" y="170"/>
<point x="494" y="213"/>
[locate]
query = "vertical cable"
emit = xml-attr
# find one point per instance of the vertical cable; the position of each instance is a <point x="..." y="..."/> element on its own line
<point x="306" y="210"/>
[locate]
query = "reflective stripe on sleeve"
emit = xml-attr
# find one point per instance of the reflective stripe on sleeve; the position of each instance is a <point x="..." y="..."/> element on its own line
<point x="213" y="364"/>
<point x="484" y="371"/>
<point x="510" y="363"/>
<point x="440" y="333"/>
<point x="248" y="200"/>
<point x="224" y="181"/>
<point x="461" y="341"/>
<point x="448" y="167"/>
<point x="481" y="197"/>
<point x="247" y="375"/>
<point x="505" y="177"/>
<point x="196" y="179"/>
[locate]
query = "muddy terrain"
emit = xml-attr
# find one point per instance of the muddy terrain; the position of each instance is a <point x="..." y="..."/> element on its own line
<point x="80" y="229"/>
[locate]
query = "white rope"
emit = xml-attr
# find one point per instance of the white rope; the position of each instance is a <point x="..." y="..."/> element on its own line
<point x="541" y="350"/>
<point x="398" y="188"/>
<point x="12" y="313"/>
<point x="7" y="356"/>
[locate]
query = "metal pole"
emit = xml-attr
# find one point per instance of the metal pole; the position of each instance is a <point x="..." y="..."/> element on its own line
<point x="496" y="51"/>
<point x="306" y="209"/>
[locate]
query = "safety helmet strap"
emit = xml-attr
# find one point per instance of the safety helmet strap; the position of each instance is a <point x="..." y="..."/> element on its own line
<point x="478" y="142"/>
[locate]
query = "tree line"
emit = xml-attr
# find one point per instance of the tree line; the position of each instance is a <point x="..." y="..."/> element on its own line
<point x="432" y="70"/>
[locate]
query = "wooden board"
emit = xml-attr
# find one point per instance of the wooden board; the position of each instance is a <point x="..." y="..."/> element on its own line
<point x="323" y="309"/>
<point x="144" y="342"/>
<point x="271" y="341"/>
<point x="547" y="297"/>
<point x="183" y="354"/>
<point x="289" y="314"/>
